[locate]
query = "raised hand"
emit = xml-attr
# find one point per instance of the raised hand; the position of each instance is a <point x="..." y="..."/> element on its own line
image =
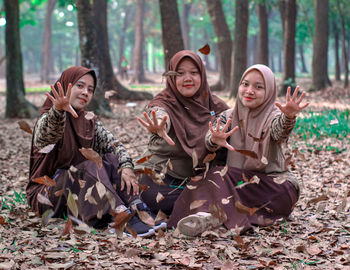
<point x="219" y="137"/>
<point x="129" y="180"/>
<point x="60" y="101"/>
<point x="292" y="106"/>
<point x="154" y="127"/>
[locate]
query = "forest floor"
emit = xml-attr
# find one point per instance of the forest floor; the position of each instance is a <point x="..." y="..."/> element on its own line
<point x="316" y="236"/>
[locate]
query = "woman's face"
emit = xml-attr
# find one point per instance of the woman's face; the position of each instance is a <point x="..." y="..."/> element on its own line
<point x="251" y="92"/>
<point x="82" y="92"/>
<point x="188" y="80"/>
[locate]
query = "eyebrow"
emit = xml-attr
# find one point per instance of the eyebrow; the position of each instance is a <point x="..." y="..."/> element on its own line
<point x="245" y="80"/>
<point x="82" y="82"/>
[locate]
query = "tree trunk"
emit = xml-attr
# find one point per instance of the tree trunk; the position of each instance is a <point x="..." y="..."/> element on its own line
<point x="16" y="104"/>
<point x="302" y="59"/>
<point x="289" y="45"/>
<point x="139" y="73"/>
<point x="185" y="27"/>
<point x="320" y="46"/>
<point x="239" y="61"/>
<point x="343" y="39"/>
<point x="122" y="38"/>
<point x="272" y="63"/>
<point x="46" y="56"/>
<point x="224" y="43"/>
<point x="171" y="29"/>
<point x="336" y="51"/>
<point x="263" y="38"/>
<point x="93" y="33"/>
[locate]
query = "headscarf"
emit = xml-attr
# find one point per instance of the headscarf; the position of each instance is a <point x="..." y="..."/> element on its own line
<point x="189" y="116"/>
<point x="254" y="125"/>
<point x="78" y="132"/>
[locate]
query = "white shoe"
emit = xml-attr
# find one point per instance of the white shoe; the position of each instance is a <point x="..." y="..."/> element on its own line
<point x="195" y="224"/>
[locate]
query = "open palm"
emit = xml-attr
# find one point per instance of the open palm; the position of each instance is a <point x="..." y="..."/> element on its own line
<point x="292" y="106"/>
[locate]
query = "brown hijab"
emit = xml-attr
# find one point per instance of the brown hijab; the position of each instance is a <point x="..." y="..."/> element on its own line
<point x="78" y="133"/>
<point x="254" y="125"/>
<point x="189" y="116"/>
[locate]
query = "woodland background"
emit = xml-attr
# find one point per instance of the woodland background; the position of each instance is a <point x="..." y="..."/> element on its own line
<point x="305" y="42"/>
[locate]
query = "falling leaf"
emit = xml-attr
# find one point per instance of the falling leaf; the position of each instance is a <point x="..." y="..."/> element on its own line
<point x="120" y="220"/>
<point x="90" y="154"/>
<point x="264" y="160"/>
<point x="43" y="200"/>
<point x="131" y="231"/>
<point x="67" y="227"/>
<point x="215" y="184"/>
<point x="247" y="153"/>
<point x="254" y="180"/>
<point x="191" y="187"/>
<point x="111" y="198"/>
<point x="197" y="203"/>
<point x="89" y="197"/>
<point x="254" y="138"/>
<point x="161" y="216"/>
<point x="101" y="189"/>
<point x="71" y="176"/>
<point x="170" y="73"/>
<point x="99" y="213"/>
<point x="205" y="49"/>
<point x="47" y="149"/>
<point x="244" y="209"/>
<point x="59" y="192"/>
<point x="110" y="93"/>
<point x="216" y="210"/>
<point x="45" y="217"/>
<point x="83" y="228"/>
<point x="72" y="204"/>
<point x="25" y="126"/>
<point x="143" y="159"/>
<point x="45" y="180"/>
<point x="159" y="197"/>
<point x="89" y="115"/>
<point x="194" y="159"/>
<point x="209" y="157"/>
<point x="73" y="169"/>
<point x="146" y="218"/>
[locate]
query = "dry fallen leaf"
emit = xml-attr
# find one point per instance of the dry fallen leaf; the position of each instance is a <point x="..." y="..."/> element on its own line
<point x="67" y="227"/>
<point x="146" y="218"/>
<point x="143" y="159"/>
<point x="197" y="203"/>
<point x="101" y="189"/>
<point x="205" y="49"/>
<point x="90" y="154"/>
<point x="161" y="216"/>
<point x="43" y="200"/>
<point x="159" y="197"/>
<point x="244" y="209"/>
<point x="247" y="153"/>
<point x="45" y="180"/>
<point x="72" y="204"/>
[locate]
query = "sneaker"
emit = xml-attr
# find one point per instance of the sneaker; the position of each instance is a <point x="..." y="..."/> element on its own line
<point x="195" y="224"/>
<point x="143" y="207"/>
<point x="140" y="227"/>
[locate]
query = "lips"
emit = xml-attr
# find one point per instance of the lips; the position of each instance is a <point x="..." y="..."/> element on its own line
<point x="248" y="98"/>
<point x="188" y="85"/>
<point x="82" y="100"/>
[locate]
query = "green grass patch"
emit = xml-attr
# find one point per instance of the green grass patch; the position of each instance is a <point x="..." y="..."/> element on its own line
<point x="10" y="202"/>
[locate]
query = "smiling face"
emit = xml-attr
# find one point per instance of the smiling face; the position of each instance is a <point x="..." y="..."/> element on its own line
<point x="82" y="92"/>
<point x="251" y="92"/>
<point x="188" y="80"/>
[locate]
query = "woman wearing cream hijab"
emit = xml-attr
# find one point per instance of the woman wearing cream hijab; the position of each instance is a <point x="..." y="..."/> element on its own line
<point x="255" y="187"/>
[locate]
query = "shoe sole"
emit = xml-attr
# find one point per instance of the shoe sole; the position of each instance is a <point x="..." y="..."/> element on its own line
<point x="194" y="225"/>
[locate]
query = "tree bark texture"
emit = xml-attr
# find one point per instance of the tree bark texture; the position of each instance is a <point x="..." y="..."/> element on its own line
<point x="302" y="58"/>
<point x="139" y="73"/>
<point x="263" y="37"/>
<point x="122" y="35"/>
<point x="185" y="27"/>
<point x="239" y="63"/>
<point x="16" y="104"/>
<point x="46" y="56"/>
<point x="171" y="29"/>
<point x="289" y="45"/>
<point x="320" y="45"/>
<point x="336" y="52"/>
<point x="224" y="44"/>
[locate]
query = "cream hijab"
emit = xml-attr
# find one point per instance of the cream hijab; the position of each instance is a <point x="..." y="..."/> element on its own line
<point x="254" y="126"/>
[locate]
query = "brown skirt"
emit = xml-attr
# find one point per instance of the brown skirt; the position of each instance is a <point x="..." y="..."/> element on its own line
<point x="94" y="214"/>
<point x="245" y="205"/>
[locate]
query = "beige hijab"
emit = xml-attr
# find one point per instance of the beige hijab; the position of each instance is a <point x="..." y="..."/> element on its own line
<point x="254" y="126"/>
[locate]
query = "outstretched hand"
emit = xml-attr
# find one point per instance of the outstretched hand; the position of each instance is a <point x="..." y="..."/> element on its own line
<point x="219" y="137"/>
<point x="60" y="101"/>
<point x="292" y="106"/>
<point x="129" y="180"/>
<point x="154" y="127"/>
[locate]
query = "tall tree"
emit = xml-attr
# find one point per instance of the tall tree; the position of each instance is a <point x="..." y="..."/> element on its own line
<point x="46" y="55"/>
<point x="139" y="73"/>
<point x="263" y="37"/>
<point x="320" y="45"/>
<point x="171" y="29"/>
<point x="239" y="55"/>
<point x="122" y="35"/>
<point x="16" y="104"/>
<point x="224" y="43"/>
<point x="336" y="51"/>
<point x="288" y="15"/>
<point x="185" y="27"/>
<point x="341" y="8"/>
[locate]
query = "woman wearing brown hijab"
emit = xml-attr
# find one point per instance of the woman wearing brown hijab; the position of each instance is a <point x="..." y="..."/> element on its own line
<point x="61" y="134"/>
<point x="255" y="187"/>
<point x="178" y="121"/>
